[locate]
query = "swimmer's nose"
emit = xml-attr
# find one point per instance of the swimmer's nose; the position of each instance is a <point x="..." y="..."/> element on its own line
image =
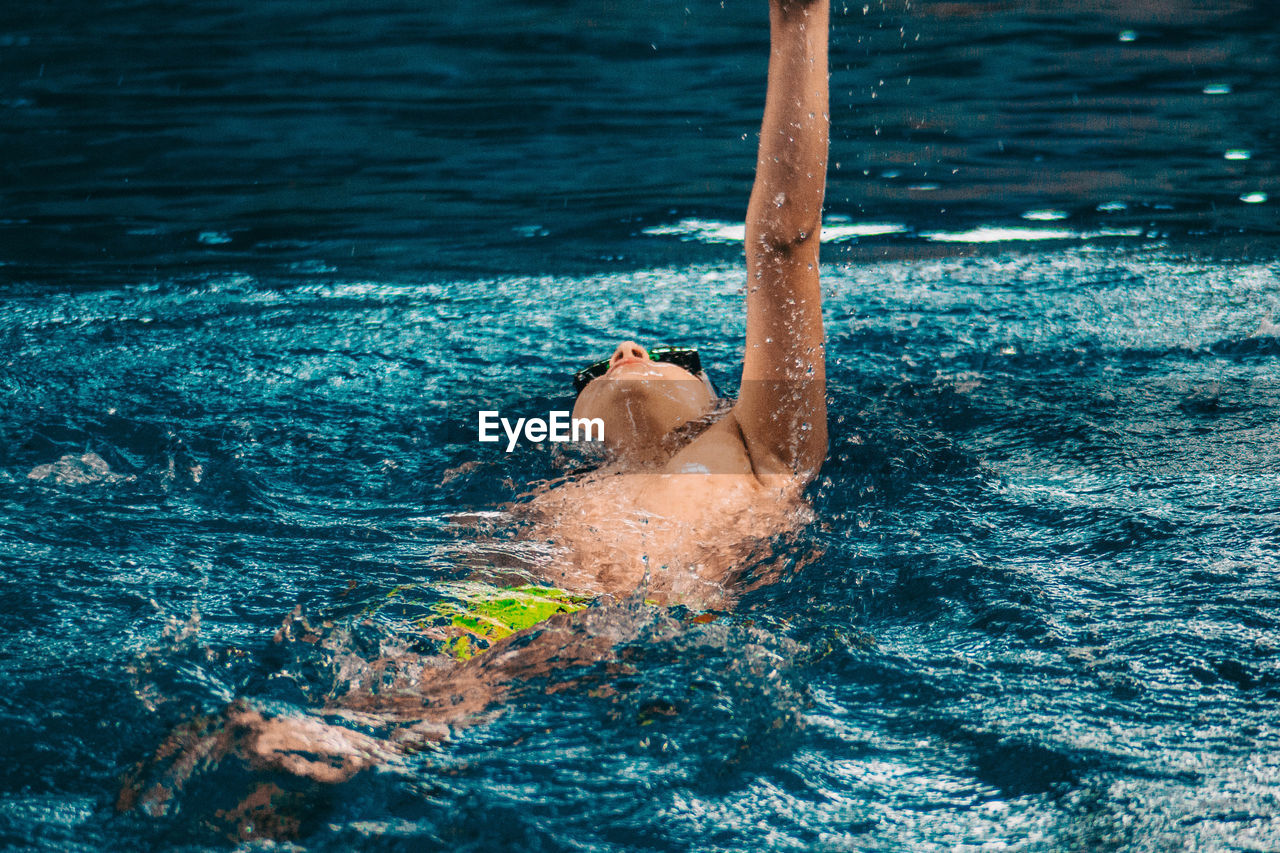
<point x="628" y="349"/>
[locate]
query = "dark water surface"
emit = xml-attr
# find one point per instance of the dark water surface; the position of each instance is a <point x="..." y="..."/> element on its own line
<point x="261" y="262"/>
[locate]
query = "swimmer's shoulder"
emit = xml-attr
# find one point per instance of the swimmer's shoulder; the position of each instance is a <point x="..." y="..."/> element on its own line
<point x="722" y="451"/>
<point x="719" y="450"/>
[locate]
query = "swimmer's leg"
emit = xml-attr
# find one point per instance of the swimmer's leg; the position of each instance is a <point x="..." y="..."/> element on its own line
<point x="245" y="774"/>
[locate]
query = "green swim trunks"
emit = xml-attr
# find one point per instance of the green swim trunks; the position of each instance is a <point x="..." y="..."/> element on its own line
<point x="470" y="616"/>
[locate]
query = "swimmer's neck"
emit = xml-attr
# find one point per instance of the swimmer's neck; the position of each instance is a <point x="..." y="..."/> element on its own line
<point x="636" y="453"/>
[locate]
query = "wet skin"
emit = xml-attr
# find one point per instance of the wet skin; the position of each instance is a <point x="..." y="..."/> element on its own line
<point x="680" y="516"/>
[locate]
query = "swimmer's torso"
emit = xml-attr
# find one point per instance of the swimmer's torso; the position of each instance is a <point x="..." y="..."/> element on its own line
<point x="694" y="523"/>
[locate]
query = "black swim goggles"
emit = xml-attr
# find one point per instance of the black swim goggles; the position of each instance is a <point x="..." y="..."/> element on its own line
<point x="685" y="357"/>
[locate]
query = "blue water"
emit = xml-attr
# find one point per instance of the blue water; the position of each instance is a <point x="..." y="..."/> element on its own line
<point x="261" y="263"/>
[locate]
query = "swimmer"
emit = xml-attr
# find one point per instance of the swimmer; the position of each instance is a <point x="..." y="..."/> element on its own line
<point x="691" y="490"/>
<point x="685" y="512"/>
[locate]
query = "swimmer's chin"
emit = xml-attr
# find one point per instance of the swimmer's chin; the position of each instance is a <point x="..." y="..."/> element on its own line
<point x="643" y="420"/>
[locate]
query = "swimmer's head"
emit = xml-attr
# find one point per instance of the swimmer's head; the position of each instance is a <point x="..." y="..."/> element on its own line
<point x="642" y="400"/>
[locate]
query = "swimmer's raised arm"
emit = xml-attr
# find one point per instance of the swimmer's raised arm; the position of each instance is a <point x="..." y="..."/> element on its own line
<point x="782" y="408"/>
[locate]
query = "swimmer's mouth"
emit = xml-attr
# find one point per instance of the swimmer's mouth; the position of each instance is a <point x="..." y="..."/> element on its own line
<point x="628" y="360"/>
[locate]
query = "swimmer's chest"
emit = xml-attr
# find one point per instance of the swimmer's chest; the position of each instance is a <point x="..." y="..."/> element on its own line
<point x="707" y="482"/>
<point x="687" y="522"/>
<point x="651" y="500"/>
<point x="679" y="530"/>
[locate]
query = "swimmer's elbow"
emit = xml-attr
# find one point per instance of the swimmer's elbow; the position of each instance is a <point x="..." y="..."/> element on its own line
<point x="781" y="237"/>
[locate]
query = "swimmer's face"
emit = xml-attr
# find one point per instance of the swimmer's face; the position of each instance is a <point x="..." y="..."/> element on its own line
<point x="641" y="401"/>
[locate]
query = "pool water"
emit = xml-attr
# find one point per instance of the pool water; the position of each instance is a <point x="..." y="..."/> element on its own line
<point x="261" y="265"/>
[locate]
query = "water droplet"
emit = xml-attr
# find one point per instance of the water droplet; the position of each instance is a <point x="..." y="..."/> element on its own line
<point x="214" y="238"/>
<point x="1129" y="35"/>
<point x="1217" y="89"/>
<point x="1253" y="198"/>
<point x="1112" y="207"/>
<point x="1238" y="154"/>
<point x="1045" y="215"/>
